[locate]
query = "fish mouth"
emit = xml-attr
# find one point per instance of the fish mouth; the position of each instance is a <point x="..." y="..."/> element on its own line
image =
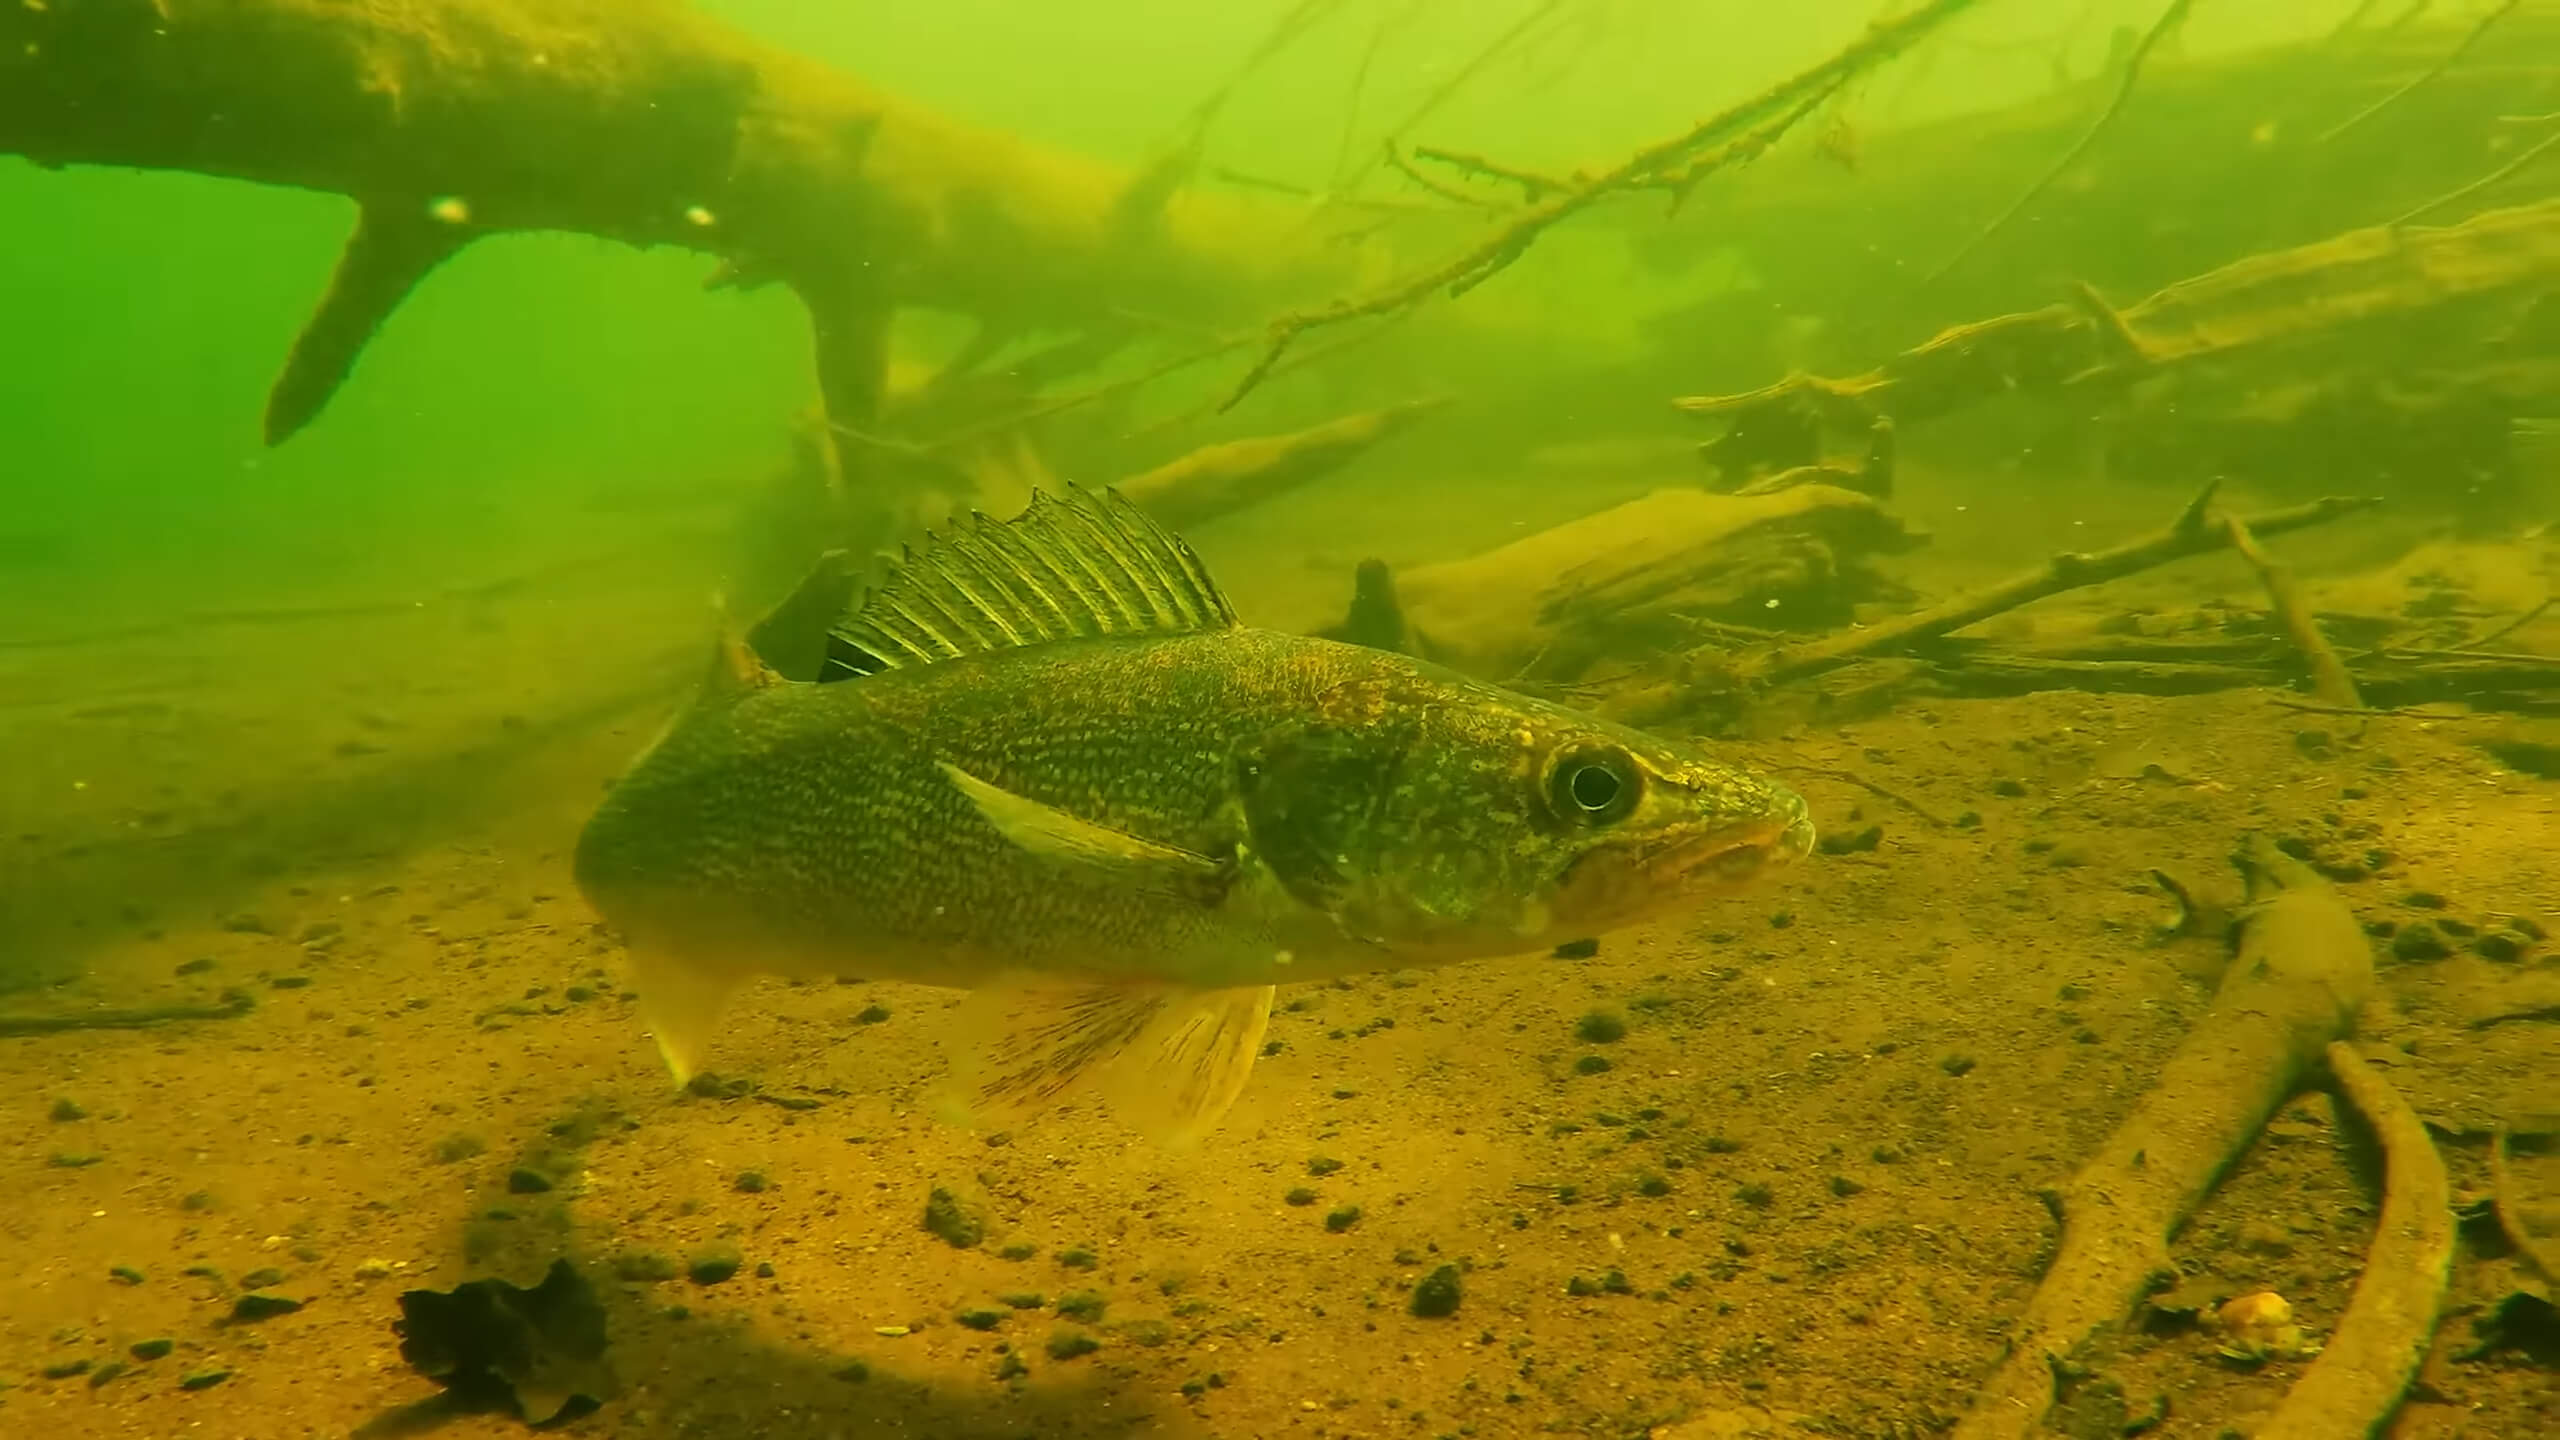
<point x="1729" y="855"/>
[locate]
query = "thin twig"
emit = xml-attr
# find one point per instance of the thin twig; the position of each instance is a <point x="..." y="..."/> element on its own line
<point x="2401" y="712"/>
<point x="2531" y="153"/>
<point x="1677" y="159"/>
<point x="1070" y="401"/>
<point x="1848" y="777"/>
<point x="2160" y="28"/>
<point x="235" y="1003"/>
<point x="2502" y="632"/>
<point x="1534" y="187"/>
<point x="2329" y="678"/>
<point x="1458" y="79"/>
<point x="2354" y="20"/>
<point x="1441" y="188"/>
<point x="2422" y="77"/>
<point x="1359" y="91"/>
<point x="2189" y="534"/>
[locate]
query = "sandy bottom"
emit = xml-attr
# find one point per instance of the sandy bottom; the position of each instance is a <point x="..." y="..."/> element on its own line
<point x="1800" y="1198"/>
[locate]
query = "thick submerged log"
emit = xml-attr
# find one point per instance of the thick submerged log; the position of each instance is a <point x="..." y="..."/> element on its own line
<point x="640" y="121"/>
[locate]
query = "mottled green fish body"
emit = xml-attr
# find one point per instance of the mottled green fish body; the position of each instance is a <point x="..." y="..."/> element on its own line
<point x="1055" y="771"/>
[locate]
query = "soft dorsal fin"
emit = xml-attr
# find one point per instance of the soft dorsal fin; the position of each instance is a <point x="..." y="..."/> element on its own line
<point x="1075" y="564"/>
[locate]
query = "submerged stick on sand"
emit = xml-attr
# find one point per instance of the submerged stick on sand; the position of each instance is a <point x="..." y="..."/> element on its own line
<point x="2302" y="971"/>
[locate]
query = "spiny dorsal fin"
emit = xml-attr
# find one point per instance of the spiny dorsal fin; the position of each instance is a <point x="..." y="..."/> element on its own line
<point x="1075" y="564"/>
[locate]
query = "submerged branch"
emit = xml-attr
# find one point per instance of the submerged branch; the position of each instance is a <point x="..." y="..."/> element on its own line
<point x="2526" y="157"/>
<point x="2422" y="77"/>
<point x="1680" y="161"/>
<point x="2190" y="534"/>
<point x="647" y="123"/>
<point x="2330" y="682"/>
<point x="2169" y="20"/>
<point x="2390" y="1320"/>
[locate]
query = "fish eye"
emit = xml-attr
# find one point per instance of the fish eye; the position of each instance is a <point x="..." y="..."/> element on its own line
<point x="1593" y="786"/>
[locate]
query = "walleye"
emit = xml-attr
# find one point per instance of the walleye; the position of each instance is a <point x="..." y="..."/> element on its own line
<point x="1047" y="765"/>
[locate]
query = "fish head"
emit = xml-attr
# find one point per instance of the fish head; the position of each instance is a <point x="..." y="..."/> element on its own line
<point x="1443" y="819"/>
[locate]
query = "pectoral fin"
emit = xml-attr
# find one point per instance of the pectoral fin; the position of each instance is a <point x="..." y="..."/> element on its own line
<point x="1169" y="1060"/>
<point x="680" y="1002"/>
<point x="1053" y="834"/>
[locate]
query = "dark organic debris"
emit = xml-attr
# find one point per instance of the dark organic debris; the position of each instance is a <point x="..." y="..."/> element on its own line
<point x="495" y="1346"/>
<point x="2523" y="1322"/>
<point x="1438" y="1293"/>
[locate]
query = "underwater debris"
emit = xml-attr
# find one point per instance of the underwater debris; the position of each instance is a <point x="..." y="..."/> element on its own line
<point x="2302" y="972"/>
<point x="953" y="1222"/>
<point x="1436" y="1295"/>
<point x="1232" y="475"/>
<point x="234" y="1004"/>
<point x="495" y="1346"/>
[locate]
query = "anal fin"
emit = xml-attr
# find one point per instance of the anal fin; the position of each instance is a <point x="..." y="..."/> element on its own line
<point x="1187" y="1070"/>
<point x="1168" y="1059"/>
<point x="680" y="1002"/>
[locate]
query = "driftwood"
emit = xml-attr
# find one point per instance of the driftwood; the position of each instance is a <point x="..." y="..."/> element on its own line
<point x="2302" y="971"/>
<point x="645" y="122"/>
<point x="1733" y="137"/>
<point x="235" y="1003"/>
<point x="2390" y="1321"/>
<point x="2190" y="534"/>
<point x="2319" y="293"/>
<point x="2330" y="682"/>
<point x="1629" y="578"/>
<point x="1232" y="475"/>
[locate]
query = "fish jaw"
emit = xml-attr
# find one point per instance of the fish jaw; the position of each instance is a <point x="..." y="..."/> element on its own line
<point x="1722" y="858"/>
<point x="1673" y="864"/>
